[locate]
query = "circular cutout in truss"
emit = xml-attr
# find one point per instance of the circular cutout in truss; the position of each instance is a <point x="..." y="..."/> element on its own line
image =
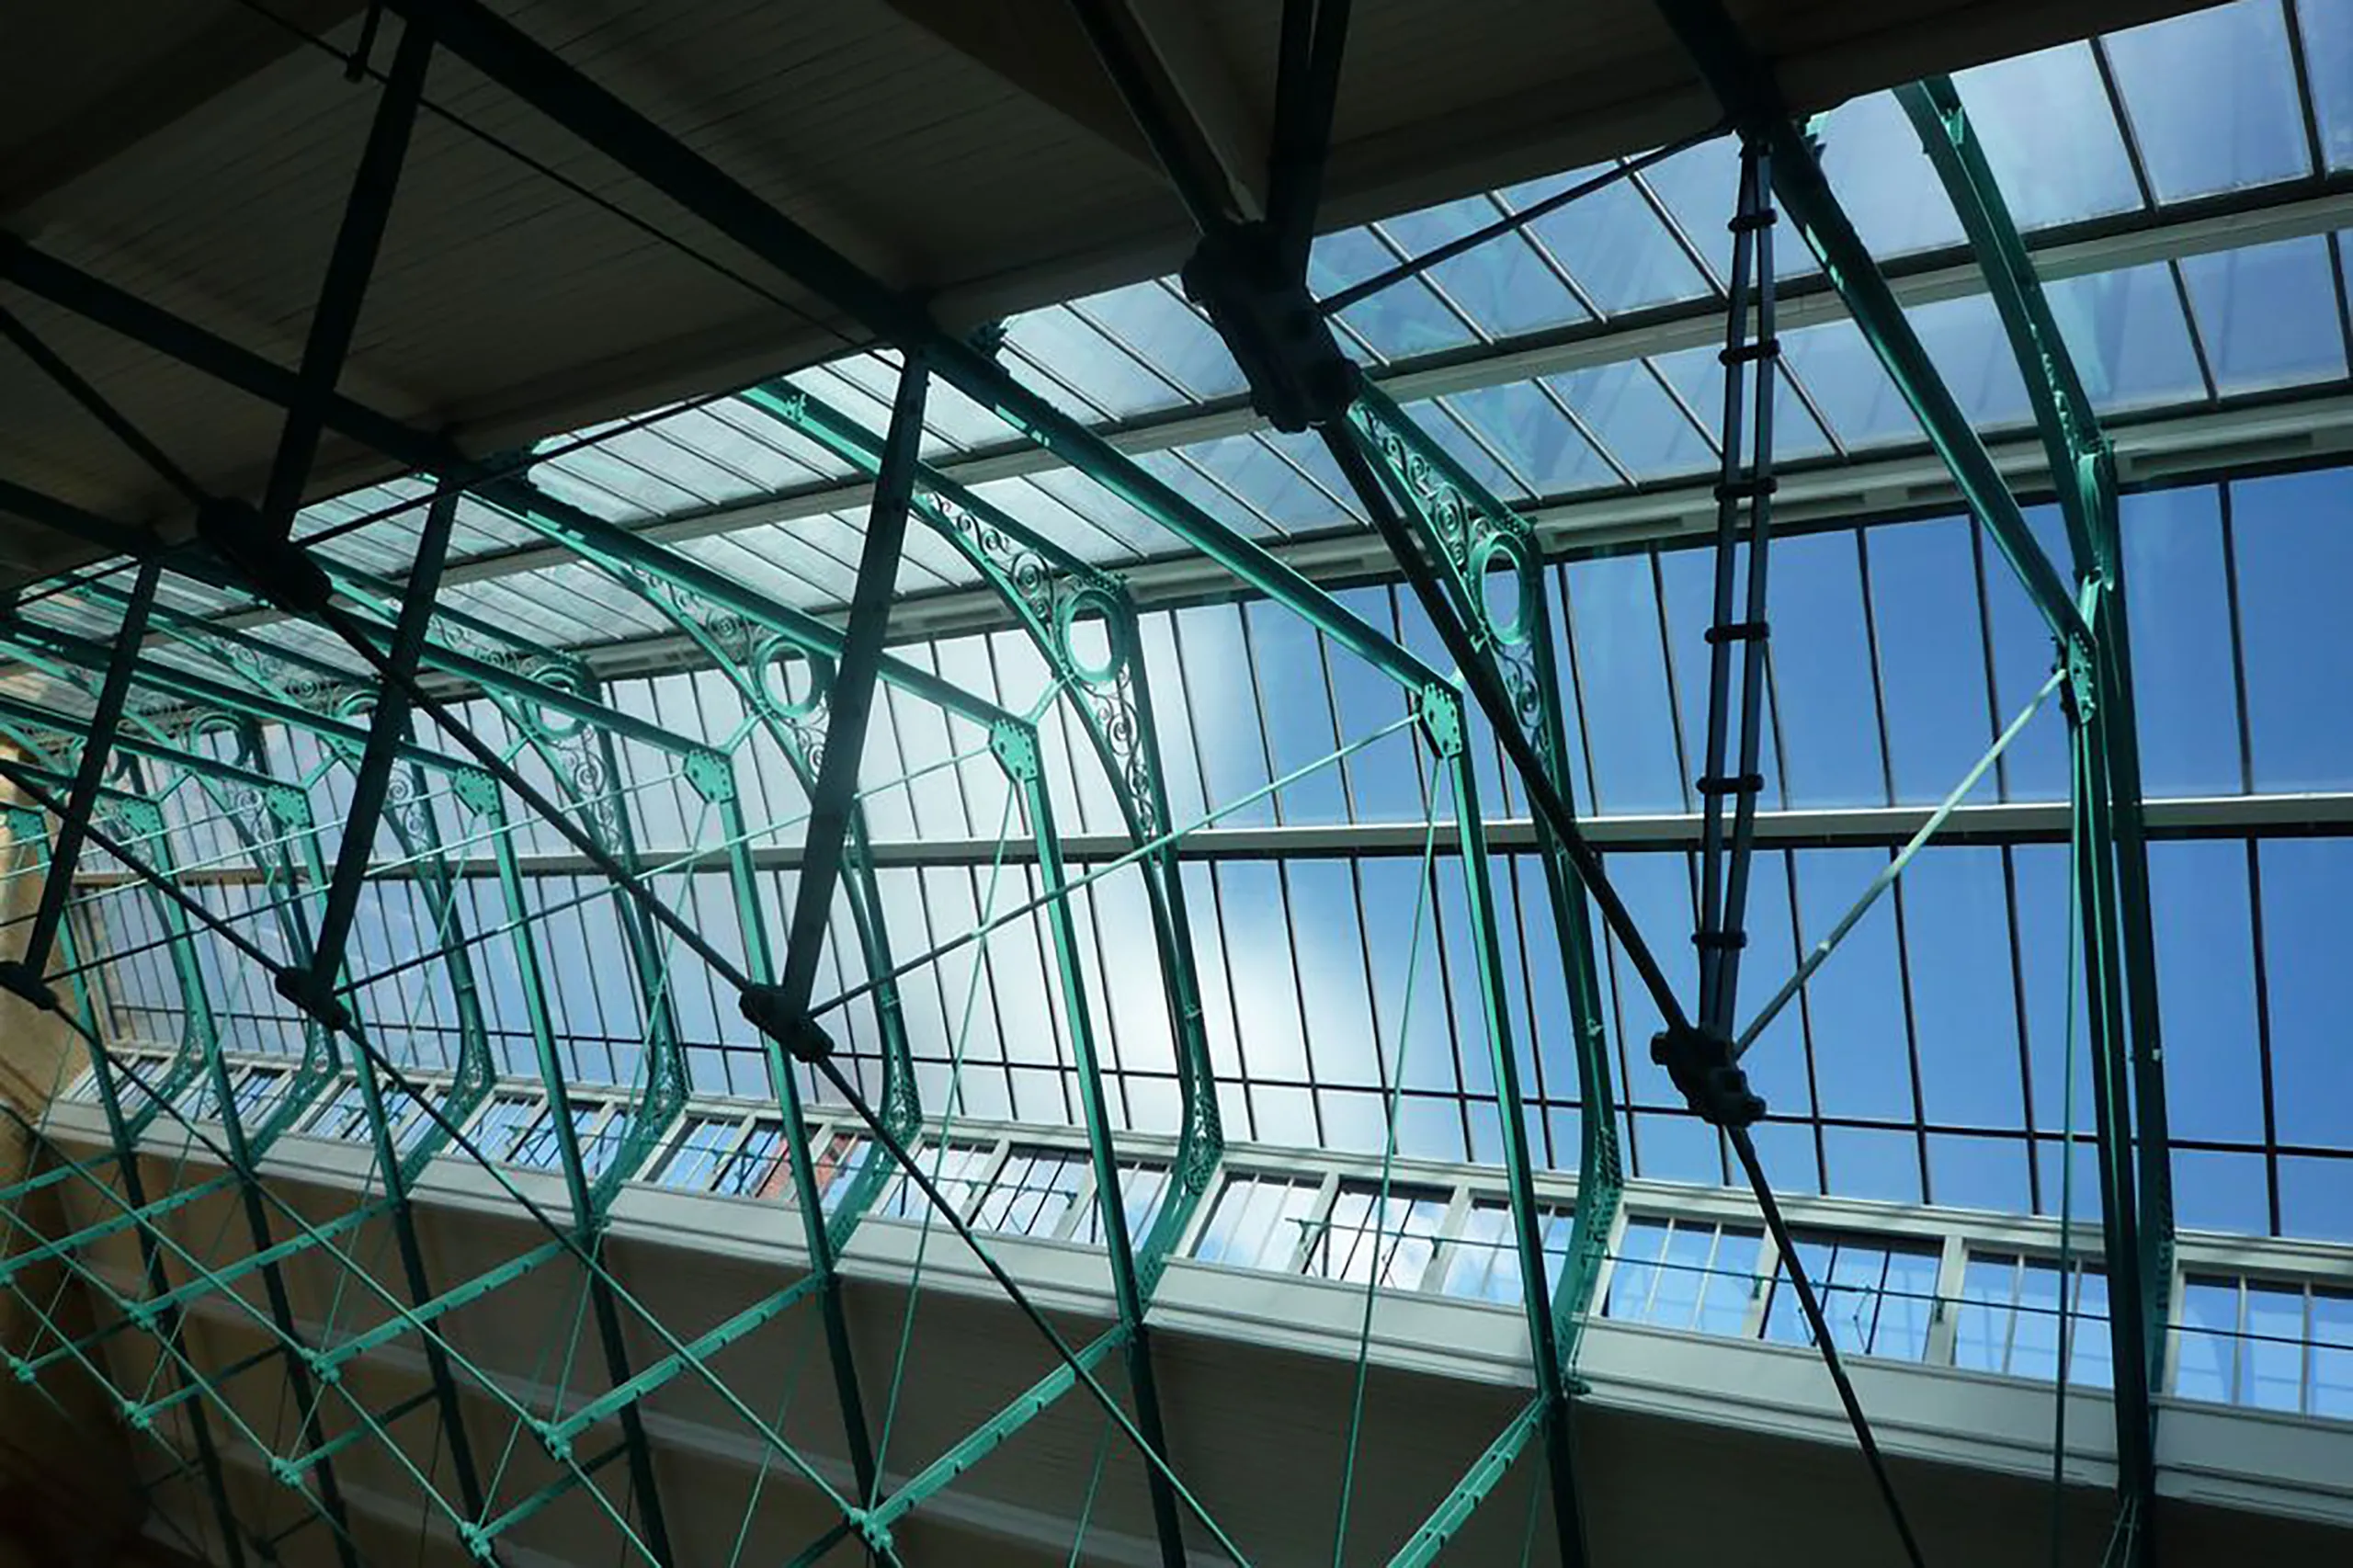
<point x="1504" y="580"/>
<point x="792" y="683"/>
<point x="1093" y="636"/>
<point x="553" y="727"/>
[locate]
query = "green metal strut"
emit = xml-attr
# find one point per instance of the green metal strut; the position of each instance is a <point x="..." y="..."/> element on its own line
<point x="2118" y="936"/>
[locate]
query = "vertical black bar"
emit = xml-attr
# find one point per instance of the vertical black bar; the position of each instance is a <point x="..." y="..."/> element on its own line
<point x="76" y="826"/>
<point x="388" y="727"/>
<point x="1713" y="933"/>
<point x="1304" y="101"/>
<point x="780" y="1009"/>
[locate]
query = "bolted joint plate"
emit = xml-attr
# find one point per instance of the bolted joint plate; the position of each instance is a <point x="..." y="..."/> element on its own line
<point x="1438" y="708"/>
<point x="709" y="774"/>
<point x="1014" y="746"/>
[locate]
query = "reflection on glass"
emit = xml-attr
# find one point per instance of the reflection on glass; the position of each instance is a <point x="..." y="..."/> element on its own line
<point x="1684" y="1274"/>
<point x="1483" y="1260"/>
<point x="2008" y="1319"/>
<point x="1877" y="1299"/>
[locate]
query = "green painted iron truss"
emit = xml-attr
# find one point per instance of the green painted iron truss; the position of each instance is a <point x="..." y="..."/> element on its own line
<point x="455" y="750"/>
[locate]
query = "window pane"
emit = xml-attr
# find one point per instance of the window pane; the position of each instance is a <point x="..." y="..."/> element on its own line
<point x="2185" y="692"/>
<point x="2267" y="313"/>
<point x="2128" y="337"/>
<point x="2048" y="133"/>
<point x="2205" y="948"/>
<point x="2329" y="74"/>
<point x="2303" y="899"/>
<point x="1503" y="284"/>
<point x="1613" y="619"/>
<point x="1612" y="243"/>
<point x="1931" y="655"/>
<point x="2207" y="1336"/>
<point x="2212" y="100"/>
<point x="2294" y="554"/>
<point x="1957" y="931"/>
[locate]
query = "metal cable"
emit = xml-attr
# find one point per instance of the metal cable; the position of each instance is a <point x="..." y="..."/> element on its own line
<point x="1811" y="1305"/>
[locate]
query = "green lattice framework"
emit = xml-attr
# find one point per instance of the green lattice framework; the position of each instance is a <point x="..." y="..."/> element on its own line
<point x="553" y="709"/>
<point x="264" y="681"/>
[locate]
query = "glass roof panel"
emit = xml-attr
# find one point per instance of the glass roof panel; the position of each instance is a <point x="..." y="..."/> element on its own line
<point x="1449" y="431"/>
<point x="1964" y="338"/>
<point x="654" y="450"/>
<point x="812" y="577"/>
<point x="1504" y="285"/>
<point x="2267" y="314"/>
<point x="759" y="427"/>
<point x="2130" y="341"/>
<point x="2293" y="555"/>
<point x="2212" y="98"/>
<point x="1697" y="186"/>
<point x="1928" y="634"/>
<point x="1194" y="485"/>
<point x="1526" y="429"/>
<point x="949" y="419"/>
<point x="2187" y="705"/>
<point x="1698" y="377"/>
<point x="2303" y="883"/>
<point x="1873" y="160"/>
<point x="1252" y="470"/>
<point x="1305" y="451"/>
<point x="863" y="388"/>
<point x="1615" y="627"/>
<point x="1075" y="354"/>
<point x="1822" y="674"/>
<point x="760" y="463"/>
<point x="1633" y="416"/>
<point x="1105" y="510"/>
<point x="598" y="479"/>
<point x="2329" y="74"/>
<point x="1611" y="241"/>
<point x="1082" y="533"/>
<point x="1165" y="333"/>
<point x="1405" y="320"/>
<point x="2050" y="136"/>
<point x="1849" y="385"/>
